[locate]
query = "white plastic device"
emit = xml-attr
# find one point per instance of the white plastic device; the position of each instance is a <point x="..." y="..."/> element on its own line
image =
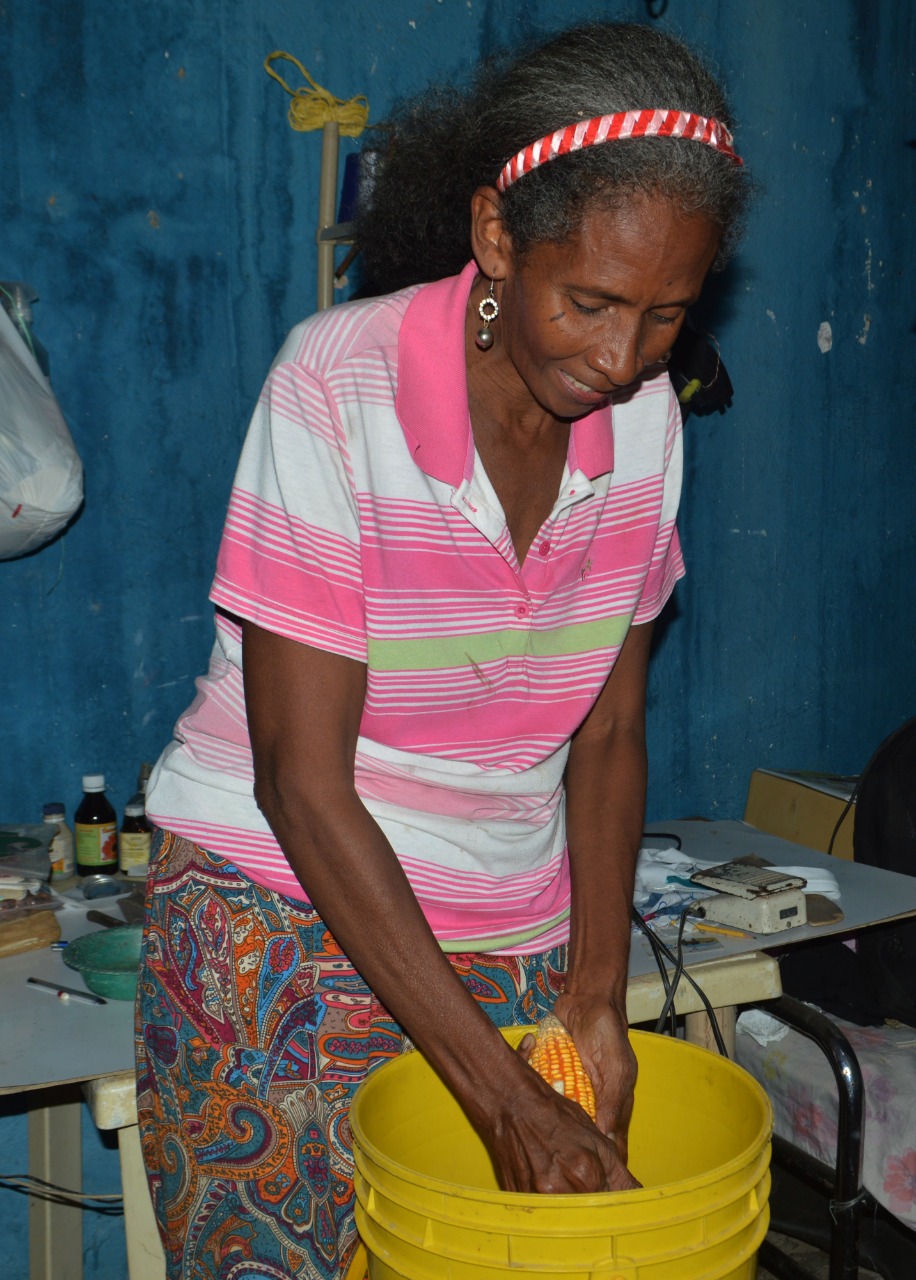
<point x="766" y="913"/>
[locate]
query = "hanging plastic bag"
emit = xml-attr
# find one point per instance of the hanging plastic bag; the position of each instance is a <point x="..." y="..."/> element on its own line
<point x="41" y="476"/>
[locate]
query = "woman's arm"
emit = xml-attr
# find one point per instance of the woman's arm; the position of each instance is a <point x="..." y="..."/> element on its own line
<point x="605" y="795"/>
<point x="304" y="707"/>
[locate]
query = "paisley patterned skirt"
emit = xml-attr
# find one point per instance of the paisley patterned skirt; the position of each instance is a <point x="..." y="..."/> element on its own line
<point x="253" y="1031"/>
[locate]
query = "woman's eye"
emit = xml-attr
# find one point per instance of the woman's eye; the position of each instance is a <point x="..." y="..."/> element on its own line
<point x="658" y="318"/>
<point x="583" y="309"/>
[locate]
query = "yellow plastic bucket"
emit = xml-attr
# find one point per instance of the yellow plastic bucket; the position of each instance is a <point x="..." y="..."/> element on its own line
<point x="429" y="1207"/>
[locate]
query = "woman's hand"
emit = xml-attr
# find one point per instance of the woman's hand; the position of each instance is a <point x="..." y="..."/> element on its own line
<point x="600" y="1035"/>
<point x="546" y="1143"/>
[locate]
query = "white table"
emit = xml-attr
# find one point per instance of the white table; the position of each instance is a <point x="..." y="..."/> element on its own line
<point x="58" y="1053"/>
<point x="869" y="895"/>
<point x="58" y="1048"/>
<point x="738" y="971"/>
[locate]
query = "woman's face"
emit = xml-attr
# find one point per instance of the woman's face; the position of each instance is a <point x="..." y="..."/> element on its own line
<point x="581" y="319"/>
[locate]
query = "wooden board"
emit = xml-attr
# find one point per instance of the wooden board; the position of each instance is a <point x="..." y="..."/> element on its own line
<point x="798" y="812"/>
<point x="28" y="933"/>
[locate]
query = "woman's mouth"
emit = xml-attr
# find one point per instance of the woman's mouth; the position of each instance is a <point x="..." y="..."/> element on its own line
<point x="581" y="391"/>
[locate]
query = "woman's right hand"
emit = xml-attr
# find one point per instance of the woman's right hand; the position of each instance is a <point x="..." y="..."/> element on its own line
<point x="542" y="1142"/>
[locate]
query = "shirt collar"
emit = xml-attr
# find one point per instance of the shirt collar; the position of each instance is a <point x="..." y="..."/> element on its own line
<point x="432" y="395"/>
<point x="591" y="444"/>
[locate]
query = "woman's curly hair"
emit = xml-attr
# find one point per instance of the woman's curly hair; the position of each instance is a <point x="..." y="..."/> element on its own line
<point x="429" y="157"/>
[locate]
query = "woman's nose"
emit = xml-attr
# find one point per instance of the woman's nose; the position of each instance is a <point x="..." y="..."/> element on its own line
<point x="619" y="355"/>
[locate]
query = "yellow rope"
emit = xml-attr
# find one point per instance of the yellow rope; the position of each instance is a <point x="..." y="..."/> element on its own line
<point x="314" y="107"/>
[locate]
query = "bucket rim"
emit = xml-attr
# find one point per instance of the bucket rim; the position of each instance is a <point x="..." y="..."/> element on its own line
<point x="752" y="1167"/>
<point x="528" y="1199"/>
<point x="624" y="1268"/>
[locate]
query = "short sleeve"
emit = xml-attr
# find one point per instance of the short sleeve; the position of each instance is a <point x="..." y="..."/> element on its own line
<point x="289" y="559"/>
<point x="667" y="563"/>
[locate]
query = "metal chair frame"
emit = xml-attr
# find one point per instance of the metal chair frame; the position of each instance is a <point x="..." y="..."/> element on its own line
<point x="843" y="1181"/>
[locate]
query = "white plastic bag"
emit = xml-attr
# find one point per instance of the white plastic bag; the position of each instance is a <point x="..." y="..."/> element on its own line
<point x="41" y="476"/>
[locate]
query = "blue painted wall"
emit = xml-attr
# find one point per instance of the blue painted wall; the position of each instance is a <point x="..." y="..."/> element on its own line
<point x="154" y="195"/>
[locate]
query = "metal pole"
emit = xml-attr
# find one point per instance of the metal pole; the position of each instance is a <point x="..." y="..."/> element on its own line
<point x="846" y="1204"/>
<point x="327" y="208"/>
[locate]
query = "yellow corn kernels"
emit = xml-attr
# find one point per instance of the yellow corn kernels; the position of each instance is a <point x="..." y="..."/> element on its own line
<point x="555" y="1058"/>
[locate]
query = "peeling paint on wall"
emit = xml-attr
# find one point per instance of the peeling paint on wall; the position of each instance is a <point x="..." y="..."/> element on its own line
<point x="824" y="336"/>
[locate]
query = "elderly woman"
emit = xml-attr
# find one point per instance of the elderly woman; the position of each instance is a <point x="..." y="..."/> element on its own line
<point x="406" y="802"/>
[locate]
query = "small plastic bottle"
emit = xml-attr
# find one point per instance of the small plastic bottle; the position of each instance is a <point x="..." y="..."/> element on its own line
<point x="134" y="841"/>
<point x="96" y="830"/>
<point x="62" y="858"/>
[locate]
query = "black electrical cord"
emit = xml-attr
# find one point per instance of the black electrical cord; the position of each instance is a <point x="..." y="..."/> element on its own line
<point x="668" y="1006"/>
<point x="654" y="942"/>
<point x="661" y="952"/>
<point x="657" y="945"/>
<point x="842" y="818"/>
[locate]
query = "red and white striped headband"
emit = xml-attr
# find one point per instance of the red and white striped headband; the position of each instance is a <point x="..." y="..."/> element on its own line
<point x="623" y="124"/>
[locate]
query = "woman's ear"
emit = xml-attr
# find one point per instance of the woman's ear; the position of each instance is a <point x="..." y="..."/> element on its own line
<point x="490" y="241"/>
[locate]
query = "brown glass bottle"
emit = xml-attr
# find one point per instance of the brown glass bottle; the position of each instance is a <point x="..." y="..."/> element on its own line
<point x="96" y="828"/>
<point x="134" y="841"/>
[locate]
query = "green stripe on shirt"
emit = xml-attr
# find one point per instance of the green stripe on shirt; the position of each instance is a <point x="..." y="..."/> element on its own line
<point x="431" y="653"/>
<point x="455" y="946"/>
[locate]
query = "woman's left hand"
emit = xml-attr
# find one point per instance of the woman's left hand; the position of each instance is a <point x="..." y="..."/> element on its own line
<point x="600" y="1035"/>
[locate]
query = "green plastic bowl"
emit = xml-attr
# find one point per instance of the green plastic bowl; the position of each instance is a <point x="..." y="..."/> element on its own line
<point x="108" y="961"/>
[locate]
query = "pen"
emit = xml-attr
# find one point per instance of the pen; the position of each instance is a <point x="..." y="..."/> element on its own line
<point x="66" y="993"/>
<point x="718" y="928"/>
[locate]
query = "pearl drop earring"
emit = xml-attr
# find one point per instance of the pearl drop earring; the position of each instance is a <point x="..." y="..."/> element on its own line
<point x="488" y="311"/>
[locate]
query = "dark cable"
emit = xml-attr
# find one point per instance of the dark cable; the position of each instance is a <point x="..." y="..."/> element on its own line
<point x="659" y="949"/>
<point x="668" y="1006"/>
<point x="668" y="953"/>
<point x="841" y="819"/>
<point x="653" y="941"/>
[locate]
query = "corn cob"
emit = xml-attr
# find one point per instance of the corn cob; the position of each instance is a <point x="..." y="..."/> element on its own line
<point x="555" y="1058"/>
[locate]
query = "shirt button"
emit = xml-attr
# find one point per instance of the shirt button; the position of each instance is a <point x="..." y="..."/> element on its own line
<point x="521" y="611"/>
<point x="544" y="549"/>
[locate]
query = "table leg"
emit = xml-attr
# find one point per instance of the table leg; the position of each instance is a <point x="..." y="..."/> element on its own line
<point x="55" y="1154"/>
<point x="697" y="1029"/>
<point x="145" y="1258"/>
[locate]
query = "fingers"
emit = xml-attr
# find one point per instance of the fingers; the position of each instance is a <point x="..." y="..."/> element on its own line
<point x="613" y="1119"/>
<point x="623" y="1146"/>
<point x="550" y="1146"/>
<point x="623" y="1180"/>
<point x="526" y="1046"/>
<point x="614" y="1079"/>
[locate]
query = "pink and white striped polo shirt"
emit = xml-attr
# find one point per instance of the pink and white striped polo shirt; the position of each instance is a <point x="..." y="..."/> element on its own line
<point x="362" y="522"/>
